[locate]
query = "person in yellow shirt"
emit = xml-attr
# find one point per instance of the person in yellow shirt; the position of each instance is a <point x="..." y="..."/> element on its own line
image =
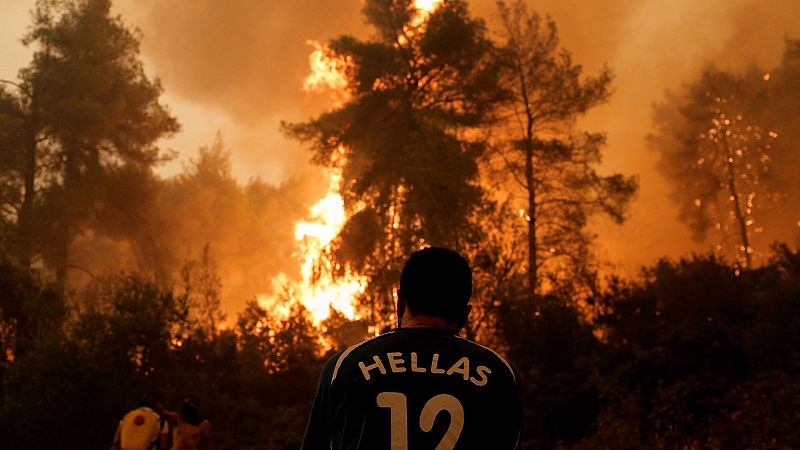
<point x="142" y="428"/>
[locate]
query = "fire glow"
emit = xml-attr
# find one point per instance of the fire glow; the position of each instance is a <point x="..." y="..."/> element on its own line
<point x="319" y="292"/>
<point x="424" y="9"/>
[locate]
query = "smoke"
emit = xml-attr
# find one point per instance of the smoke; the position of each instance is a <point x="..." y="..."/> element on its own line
<point x="243" y="62"/>
<point x="239" y="65"/>
<point x="654" y="46"/>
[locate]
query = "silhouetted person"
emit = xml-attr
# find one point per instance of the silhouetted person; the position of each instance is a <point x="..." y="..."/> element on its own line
<point x="143" y="428"/>
<point x="419" y="386"/>
<point x="190" y="431"/>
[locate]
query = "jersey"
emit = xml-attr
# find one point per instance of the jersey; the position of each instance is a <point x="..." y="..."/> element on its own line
<point x="140" y="429"/>
<point x="416" y="388"/>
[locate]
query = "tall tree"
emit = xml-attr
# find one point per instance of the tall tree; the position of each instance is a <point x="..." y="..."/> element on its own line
<point x="717" y="154"/>
<point x="20" y="135"/>
<point x="409" y="175"/>
<point x="536" y="142"/>
<point x="781" y="113"/>
<point x="99" y="114"/>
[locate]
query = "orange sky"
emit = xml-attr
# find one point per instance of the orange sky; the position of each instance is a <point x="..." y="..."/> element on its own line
<point x="237" y="66"/>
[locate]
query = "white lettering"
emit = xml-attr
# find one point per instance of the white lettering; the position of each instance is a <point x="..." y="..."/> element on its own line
<point x="414" y="367"/>
<point x="482" y="372"/>
<point x="461" y="366"/>
<point x="365" y="369"/>
<point x="435" y="361"/>
<point x="394" y="360"/>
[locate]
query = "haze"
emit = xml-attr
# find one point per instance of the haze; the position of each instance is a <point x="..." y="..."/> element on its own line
<point x="237" y="67"/>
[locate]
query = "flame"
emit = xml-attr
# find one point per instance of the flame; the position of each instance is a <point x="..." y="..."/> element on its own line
<point x="327" y="72"/>
<point x="323" y="224"/>
<point x="328" y="215"/>
<point x="426" y="7"/>
<point x="326" y="220"/>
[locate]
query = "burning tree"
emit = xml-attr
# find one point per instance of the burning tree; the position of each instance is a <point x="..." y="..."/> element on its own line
<point x="718" y="157"/>
<point x="553" y="165"/>
<point x="401" y="139"/>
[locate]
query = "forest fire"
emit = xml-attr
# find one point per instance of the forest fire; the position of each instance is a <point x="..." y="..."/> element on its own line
<point x="134" y="246"/>
<point x="319" y="292"/>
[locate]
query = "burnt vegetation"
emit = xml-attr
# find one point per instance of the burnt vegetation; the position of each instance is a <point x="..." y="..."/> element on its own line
<point x="113" y="277"/>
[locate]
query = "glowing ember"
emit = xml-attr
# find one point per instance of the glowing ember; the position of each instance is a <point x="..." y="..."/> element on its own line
<point x="325" y="220"/>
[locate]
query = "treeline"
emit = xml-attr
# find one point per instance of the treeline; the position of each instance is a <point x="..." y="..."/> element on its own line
<point x="691" y="356"/>
<point x="79" y="193"/>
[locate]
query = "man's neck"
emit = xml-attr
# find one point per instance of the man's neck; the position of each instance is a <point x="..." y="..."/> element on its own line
<point x="421" y="321"/>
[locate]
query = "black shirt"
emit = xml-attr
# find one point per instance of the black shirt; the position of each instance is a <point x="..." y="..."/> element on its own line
<point x="416" y="388"/>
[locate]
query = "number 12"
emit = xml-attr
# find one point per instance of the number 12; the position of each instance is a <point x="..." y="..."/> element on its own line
<point x="398" y="407"/>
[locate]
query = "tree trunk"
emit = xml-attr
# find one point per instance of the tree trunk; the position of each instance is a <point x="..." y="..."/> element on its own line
<point x="530" y="180"/>
<point x="64" y="226"/>
<point x="29" y="175"/>
<point x="737" y="209"/>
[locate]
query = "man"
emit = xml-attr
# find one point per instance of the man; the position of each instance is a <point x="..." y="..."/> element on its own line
<point x="191" y="432"/>
<point x="419" y="386"/>
<point x="143" y="428"/>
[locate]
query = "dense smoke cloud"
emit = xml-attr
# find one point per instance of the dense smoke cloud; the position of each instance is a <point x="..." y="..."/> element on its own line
<point x="654" y="46"/>
<point x="238" y="66"/>
<point x="248" y="60"/>
<point x="243" y="62"/>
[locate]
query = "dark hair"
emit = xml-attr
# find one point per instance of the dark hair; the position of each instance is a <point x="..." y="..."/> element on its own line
<point x="192" y="398"/>
<point x="190" y="409"/>
<point x="149" y="398"/>
<point x="436" y="282"/>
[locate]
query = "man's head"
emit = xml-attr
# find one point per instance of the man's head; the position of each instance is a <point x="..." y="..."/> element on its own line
<point x="149" y="399"/>
<point x="190" y="409"/>
<point x="436" y="282"/>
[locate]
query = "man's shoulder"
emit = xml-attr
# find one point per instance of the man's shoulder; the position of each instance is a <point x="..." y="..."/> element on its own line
<point x="334" y="363"/>
<point x="493" y="354"/>
<point x="398" y="339"/>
